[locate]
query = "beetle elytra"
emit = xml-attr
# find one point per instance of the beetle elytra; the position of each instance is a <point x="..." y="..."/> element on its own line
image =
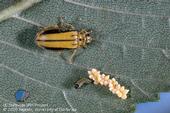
<point x="63" y="36"/>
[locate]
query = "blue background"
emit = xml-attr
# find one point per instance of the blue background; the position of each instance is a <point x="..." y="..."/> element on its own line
<point x="161" y="106"/>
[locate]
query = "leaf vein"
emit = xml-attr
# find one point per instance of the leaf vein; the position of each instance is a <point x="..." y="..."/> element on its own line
<point x="23" y="75"/>
<point x="26" y="20"/>
<point x="66" y="99"/>
<point x="114" y="11"/>
<point x="140" y="89"/>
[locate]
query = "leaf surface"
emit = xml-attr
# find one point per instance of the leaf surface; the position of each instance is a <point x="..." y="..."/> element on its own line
<point x="132" y="44"/>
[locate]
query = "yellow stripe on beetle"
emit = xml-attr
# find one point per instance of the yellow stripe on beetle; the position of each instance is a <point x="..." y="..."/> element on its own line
<point x="68" y="40"/>
<point x="57" y="44"/>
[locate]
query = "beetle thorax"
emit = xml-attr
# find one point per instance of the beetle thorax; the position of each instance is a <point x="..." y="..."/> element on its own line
<point x="84" y="38"/>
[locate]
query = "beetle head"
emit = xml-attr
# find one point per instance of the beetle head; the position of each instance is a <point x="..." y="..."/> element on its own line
<point x="88" y="39"/>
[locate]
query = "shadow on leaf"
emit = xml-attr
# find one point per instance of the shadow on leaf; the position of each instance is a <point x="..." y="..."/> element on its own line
<point x="26" y="38"/>
<point x="77" y="74"/>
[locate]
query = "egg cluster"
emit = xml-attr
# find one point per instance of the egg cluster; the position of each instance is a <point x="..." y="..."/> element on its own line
<point x="105" y="80"/>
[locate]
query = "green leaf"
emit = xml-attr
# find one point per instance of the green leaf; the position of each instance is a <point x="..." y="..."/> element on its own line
<point x="131" y="43"/>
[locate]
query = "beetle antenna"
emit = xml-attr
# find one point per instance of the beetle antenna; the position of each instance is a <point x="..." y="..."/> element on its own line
<point x="86" y="21"/>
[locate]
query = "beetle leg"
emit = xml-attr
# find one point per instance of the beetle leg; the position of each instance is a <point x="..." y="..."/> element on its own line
<point x="61" y="19"/>
<point x="63" y="26"/>
<point x="66" y="27"/>
<point x="85" y="46"/>
<point x="83" y="31"/>
<point x="70" y="27"/>
<point x="72" y="56"/>
<point x="50" y="27"/>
